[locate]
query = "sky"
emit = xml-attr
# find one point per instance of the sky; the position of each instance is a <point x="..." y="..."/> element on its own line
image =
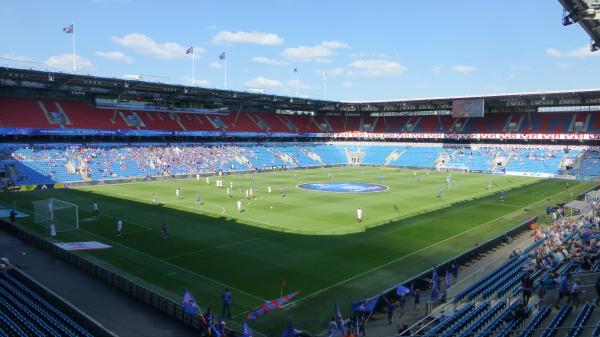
<point x="370" y="50"/>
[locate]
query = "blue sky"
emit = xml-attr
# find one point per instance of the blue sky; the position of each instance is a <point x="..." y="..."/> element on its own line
<point x="371" y="50"/>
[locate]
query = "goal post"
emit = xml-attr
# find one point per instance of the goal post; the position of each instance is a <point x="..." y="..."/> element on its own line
<point x="62" y="214"/>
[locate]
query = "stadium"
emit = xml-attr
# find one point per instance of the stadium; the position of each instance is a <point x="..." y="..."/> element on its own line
<point x="133" y="206"/>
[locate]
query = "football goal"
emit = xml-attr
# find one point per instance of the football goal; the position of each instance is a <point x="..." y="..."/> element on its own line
<point x="62" y="214"/>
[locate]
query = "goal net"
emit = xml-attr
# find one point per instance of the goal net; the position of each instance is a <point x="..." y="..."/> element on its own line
<point x="63" y="215"/>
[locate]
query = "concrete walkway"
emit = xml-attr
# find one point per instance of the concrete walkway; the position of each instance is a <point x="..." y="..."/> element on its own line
<point x="113" y="308"/>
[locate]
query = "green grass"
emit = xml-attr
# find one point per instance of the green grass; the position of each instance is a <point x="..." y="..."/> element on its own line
<point x="311" y="239"/>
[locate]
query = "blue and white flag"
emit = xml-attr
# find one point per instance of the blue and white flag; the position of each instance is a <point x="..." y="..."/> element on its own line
<point x="339" y="320"/>
<point x="190" y="50"/>
<point x="188" y="303"/>
<point x="434" y="285"/>
<point x="222" y="56"/>
<point x="246" y="330"/>
<point x="68" y="29"/>
<point x="402" y="290"/>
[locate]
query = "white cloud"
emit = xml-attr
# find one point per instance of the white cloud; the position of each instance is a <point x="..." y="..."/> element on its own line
<point x="247" y="37"/>
<point x="115" y="56"/>
<point x="15" y="57"/>
<point x="64" y="62"/>
<point x="266" y="60"/>
<point x="553" y="52"/>
<point x="377" y="68"/>
<point x="334" y="72"/>
<point x="463" y="69"/>
<point x="263" y="83"/>
<point x="580" y="52"/>
<point x="347" y="84"/>
<point x="146" y="45"/>
<point x="317" y="53"/>
<point x="437" y="69"/>
<point x="215" y="65"/>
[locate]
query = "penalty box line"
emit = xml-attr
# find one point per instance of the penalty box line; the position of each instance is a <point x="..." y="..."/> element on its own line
<point x="178" y="267"/>
<point x="418" y="251"/>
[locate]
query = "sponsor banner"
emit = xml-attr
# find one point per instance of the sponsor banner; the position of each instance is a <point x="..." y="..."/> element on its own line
<point x="475" y="136"/>
<point x="341" y="135"/>
<point x="88" y="245"/>
<point x="530" y="174"/>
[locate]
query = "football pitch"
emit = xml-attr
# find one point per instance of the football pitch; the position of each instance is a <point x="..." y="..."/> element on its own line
<point x="309" y="238"/>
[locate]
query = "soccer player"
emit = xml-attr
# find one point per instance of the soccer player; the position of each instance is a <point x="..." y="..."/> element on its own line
<point x="282" y="191"/>
<point x="441" y="192"/>
<point x="95" y="209"/>
<point x="251" y="193"/>
<point x="197" y="177"/>
<point x="228" y="192"/>
<point x="154" y="198"/>
<point x="247" y="194"/>
<point x="50" y="210"/>
<point x="239" y="206"/>
<point x="198" y="199"/>
<point x="359" y="215"/>
<point x="165" y="230"/>
<point x="489" y="185"/>
<point x="119" y="227"/>
<point x="418" y="179"/>
<point x="178" y="193"/>
<point x="269" y="190"/>
<point x="329" y="175"/>
<point x="501" y="195"/>
<point x="231" y="184"/>
<point x="226" y="304"/>
<point x="448" y="180"/>
<point x="207" y="180"/>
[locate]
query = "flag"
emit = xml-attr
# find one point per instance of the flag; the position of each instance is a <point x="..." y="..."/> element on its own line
<point x="339" y="320"/>
<point x="434" y="284"/>
<point x="247" y="332"/>
<point x="402" y="290"/>
<point x="68" y="29"/>
<point x="289" y="331"/>
<point x="265" y="308"/>
<point x="282" y="283"/>
<point x="222" y="56"/>
<point x="190" y="50"/>
<point x="366" y="305"/>
<point x="214" y="329"/>
<point x="448" y="279"/>
<point x="188" y="303"/>
<point x="295" y="69"/>
<point x="325" y="76"/>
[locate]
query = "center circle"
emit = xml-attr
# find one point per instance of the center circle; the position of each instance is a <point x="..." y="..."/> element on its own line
<point x="344" y="187"/>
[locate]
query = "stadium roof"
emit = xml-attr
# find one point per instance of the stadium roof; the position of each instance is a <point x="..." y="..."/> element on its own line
<point x="72" y="86"/>
<point x="587" y="14"/>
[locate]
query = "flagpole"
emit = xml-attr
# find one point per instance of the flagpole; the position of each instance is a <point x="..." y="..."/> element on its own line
<point x="193" y="66"/>
<point x="225" y="60"/>
<point x="73" y="38"/>
<point x="297" y="85"/>
<point x="325" y="78"/>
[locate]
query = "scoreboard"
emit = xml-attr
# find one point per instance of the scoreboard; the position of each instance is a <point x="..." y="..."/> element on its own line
<point x="466" y="108"/>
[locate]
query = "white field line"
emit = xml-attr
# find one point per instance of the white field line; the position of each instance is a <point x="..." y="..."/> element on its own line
<point x="178" y="267"/>
<point x="417" y="251"/>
